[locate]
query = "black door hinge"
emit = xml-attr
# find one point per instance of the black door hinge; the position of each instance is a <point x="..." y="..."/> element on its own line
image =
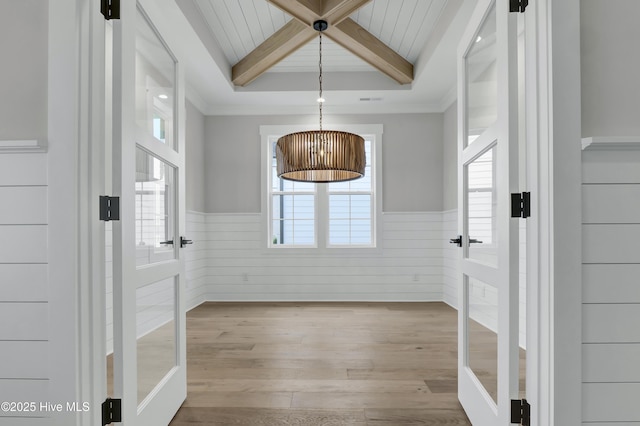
<point x="111" y="411"/>
<point x="110" y="9"/>
<point x="521" y="205"/>
<point x="518" y="5"/>
<point x="109" y="208"/>
<point x="520" y="412"/>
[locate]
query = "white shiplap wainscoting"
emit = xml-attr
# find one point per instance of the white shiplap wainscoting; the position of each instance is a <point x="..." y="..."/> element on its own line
<point x="196" y="259"/>
<point x="196" y="262"/>
<point x="480" y="297"/>
<point x="408" y="267"/>
<point x="24" y="287"/>
<point x="611" y="284"/>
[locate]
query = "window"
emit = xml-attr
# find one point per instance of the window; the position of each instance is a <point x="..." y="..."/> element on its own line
<point x="333" y="215"/>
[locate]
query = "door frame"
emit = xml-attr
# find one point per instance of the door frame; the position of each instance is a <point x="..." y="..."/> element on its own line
<point x="553" y="112"/>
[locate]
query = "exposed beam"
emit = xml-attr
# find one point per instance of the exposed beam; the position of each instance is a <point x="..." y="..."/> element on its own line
<point x="336" y="11"/>
<point x="366" y="46"/>
<point x="277" y="47"/>
<point x="342" y="30"/>
<point x="306" y="11"/>
<point x="309" y="11"/>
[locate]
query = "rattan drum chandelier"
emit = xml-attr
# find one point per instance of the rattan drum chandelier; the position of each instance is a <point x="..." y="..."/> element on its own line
<point x="321" y="155"/>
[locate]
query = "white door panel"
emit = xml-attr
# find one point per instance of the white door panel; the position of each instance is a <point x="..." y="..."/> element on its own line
<point x="148" y="175"/>
<point x="487" y="175"/>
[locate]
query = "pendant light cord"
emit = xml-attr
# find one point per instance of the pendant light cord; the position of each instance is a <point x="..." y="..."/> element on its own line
<point x="320" y="81"/>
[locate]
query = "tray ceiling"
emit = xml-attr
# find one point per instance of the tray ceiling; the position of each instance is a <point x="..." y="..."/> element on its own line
<point x="423" y="32"/>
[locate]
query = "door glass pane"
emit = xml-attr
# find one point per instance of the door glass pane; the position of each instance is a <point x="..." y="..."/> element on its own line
<point x="482" y="337"/>
<point x="155" y="85"/>
<point x="155" y="209"/>
<point x="481" y="79"/>
<point x="156" y="333"/>
<point x="481" y="208"/>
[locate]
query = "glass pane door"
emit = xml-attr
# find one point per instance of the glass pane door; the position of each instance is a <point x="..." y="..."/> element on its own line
<point x="488" y="173"/>
<point x="148" y="140"/>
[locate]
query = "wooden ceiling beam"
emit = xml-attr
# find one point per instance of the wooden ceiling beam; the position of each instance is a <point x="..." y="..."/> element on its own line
<point x="342" y="30"/>
<point x="305" y="11"/>
<point x="309" y="11"/>
<point x="336" y="11"/>
<point x="277" y="47"/>
<point x="366" y="46"/>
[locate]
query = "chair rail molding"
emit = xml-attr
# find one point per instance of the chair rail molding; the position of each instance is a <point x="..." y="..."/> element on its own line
<point x="22" y="146"/>
<point x="611" y="143"/>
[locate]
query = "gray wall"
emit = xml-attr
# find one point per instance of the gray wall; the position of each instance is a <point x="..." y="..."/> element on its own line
<point x="450" y="158"/>
<point x="23" y="86"/>
<point x="411" y="160"/>
<point x="610" y="66"/>
<point x="195" y="160"/>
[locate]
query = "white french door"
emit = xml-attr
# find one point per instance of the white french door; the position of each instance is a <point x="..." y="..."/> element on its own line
<point x="148" y="175"/>
<point x="487" y="175"/>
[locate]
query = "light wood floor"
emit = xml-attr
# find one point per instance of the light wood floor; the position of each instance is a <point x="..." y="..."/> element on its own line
<point x="308" y="364"/>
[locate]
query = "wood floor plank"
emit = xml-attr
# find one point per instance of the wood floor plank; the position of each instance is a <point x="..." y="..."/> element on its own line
<point x="351" y="400"/>
<point x="267" y="417"/>
<point x="312" y="364"/>
<point x="415" y="417"/>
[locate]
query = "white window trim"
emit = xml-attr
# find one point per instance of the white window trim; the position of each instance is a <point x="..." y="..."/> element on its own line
<point x="322" y="229"/>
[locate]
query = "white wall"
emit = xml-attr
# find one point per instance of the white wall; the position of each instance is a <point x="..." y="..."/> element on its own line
<point x="611" y="290"/>
<point x="409" y="265"/>
<point x="195" y="159"/>
<point x="450" y="158"/>
<point x="24" y="286"/>
<point x="610" y="60"/>
<point x="23" y="86"/>
<point x="408" y="268"/>
<point x="411" y="165"/>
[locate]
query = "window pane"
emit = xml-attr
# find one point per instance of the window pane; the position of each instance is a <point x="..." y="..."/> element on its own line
<point x="361" y="231"/>
<point x="339" y="231"/>
<point x="339" y="206"/>
<point x="360" y="206"/>
<point x="155" y="84"/>
<point x="350" y="219"/>
<point x="293" y="219"/>
<point x="303" y="232"/>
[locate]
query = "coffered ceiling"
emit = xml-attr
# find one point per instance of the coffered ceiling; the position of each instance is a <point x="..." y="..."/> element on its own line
<point x="396" y="56"/>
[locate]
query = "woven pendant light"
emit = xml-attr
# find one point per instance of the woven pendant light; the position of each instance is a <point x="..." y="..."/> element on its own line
<point x="320" y="155"/>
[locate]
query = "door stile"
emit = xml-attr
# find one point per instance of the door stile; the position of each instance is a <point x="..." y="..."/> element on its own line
<point x="124" y="361"/>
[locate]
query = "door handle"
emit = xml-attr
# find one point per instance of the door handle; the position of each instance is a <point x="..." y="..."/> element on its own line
<point x="474" y="241"/>
<point x="167" y="242"/>
<point x="184" y="242"/>
<point x="456" y="241"/>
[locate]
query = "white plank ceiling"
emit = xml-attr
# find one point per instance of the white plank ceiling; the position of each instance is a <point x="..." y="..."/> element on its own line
<point x="242" y="25"/>
<point x="217" y="34"/>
